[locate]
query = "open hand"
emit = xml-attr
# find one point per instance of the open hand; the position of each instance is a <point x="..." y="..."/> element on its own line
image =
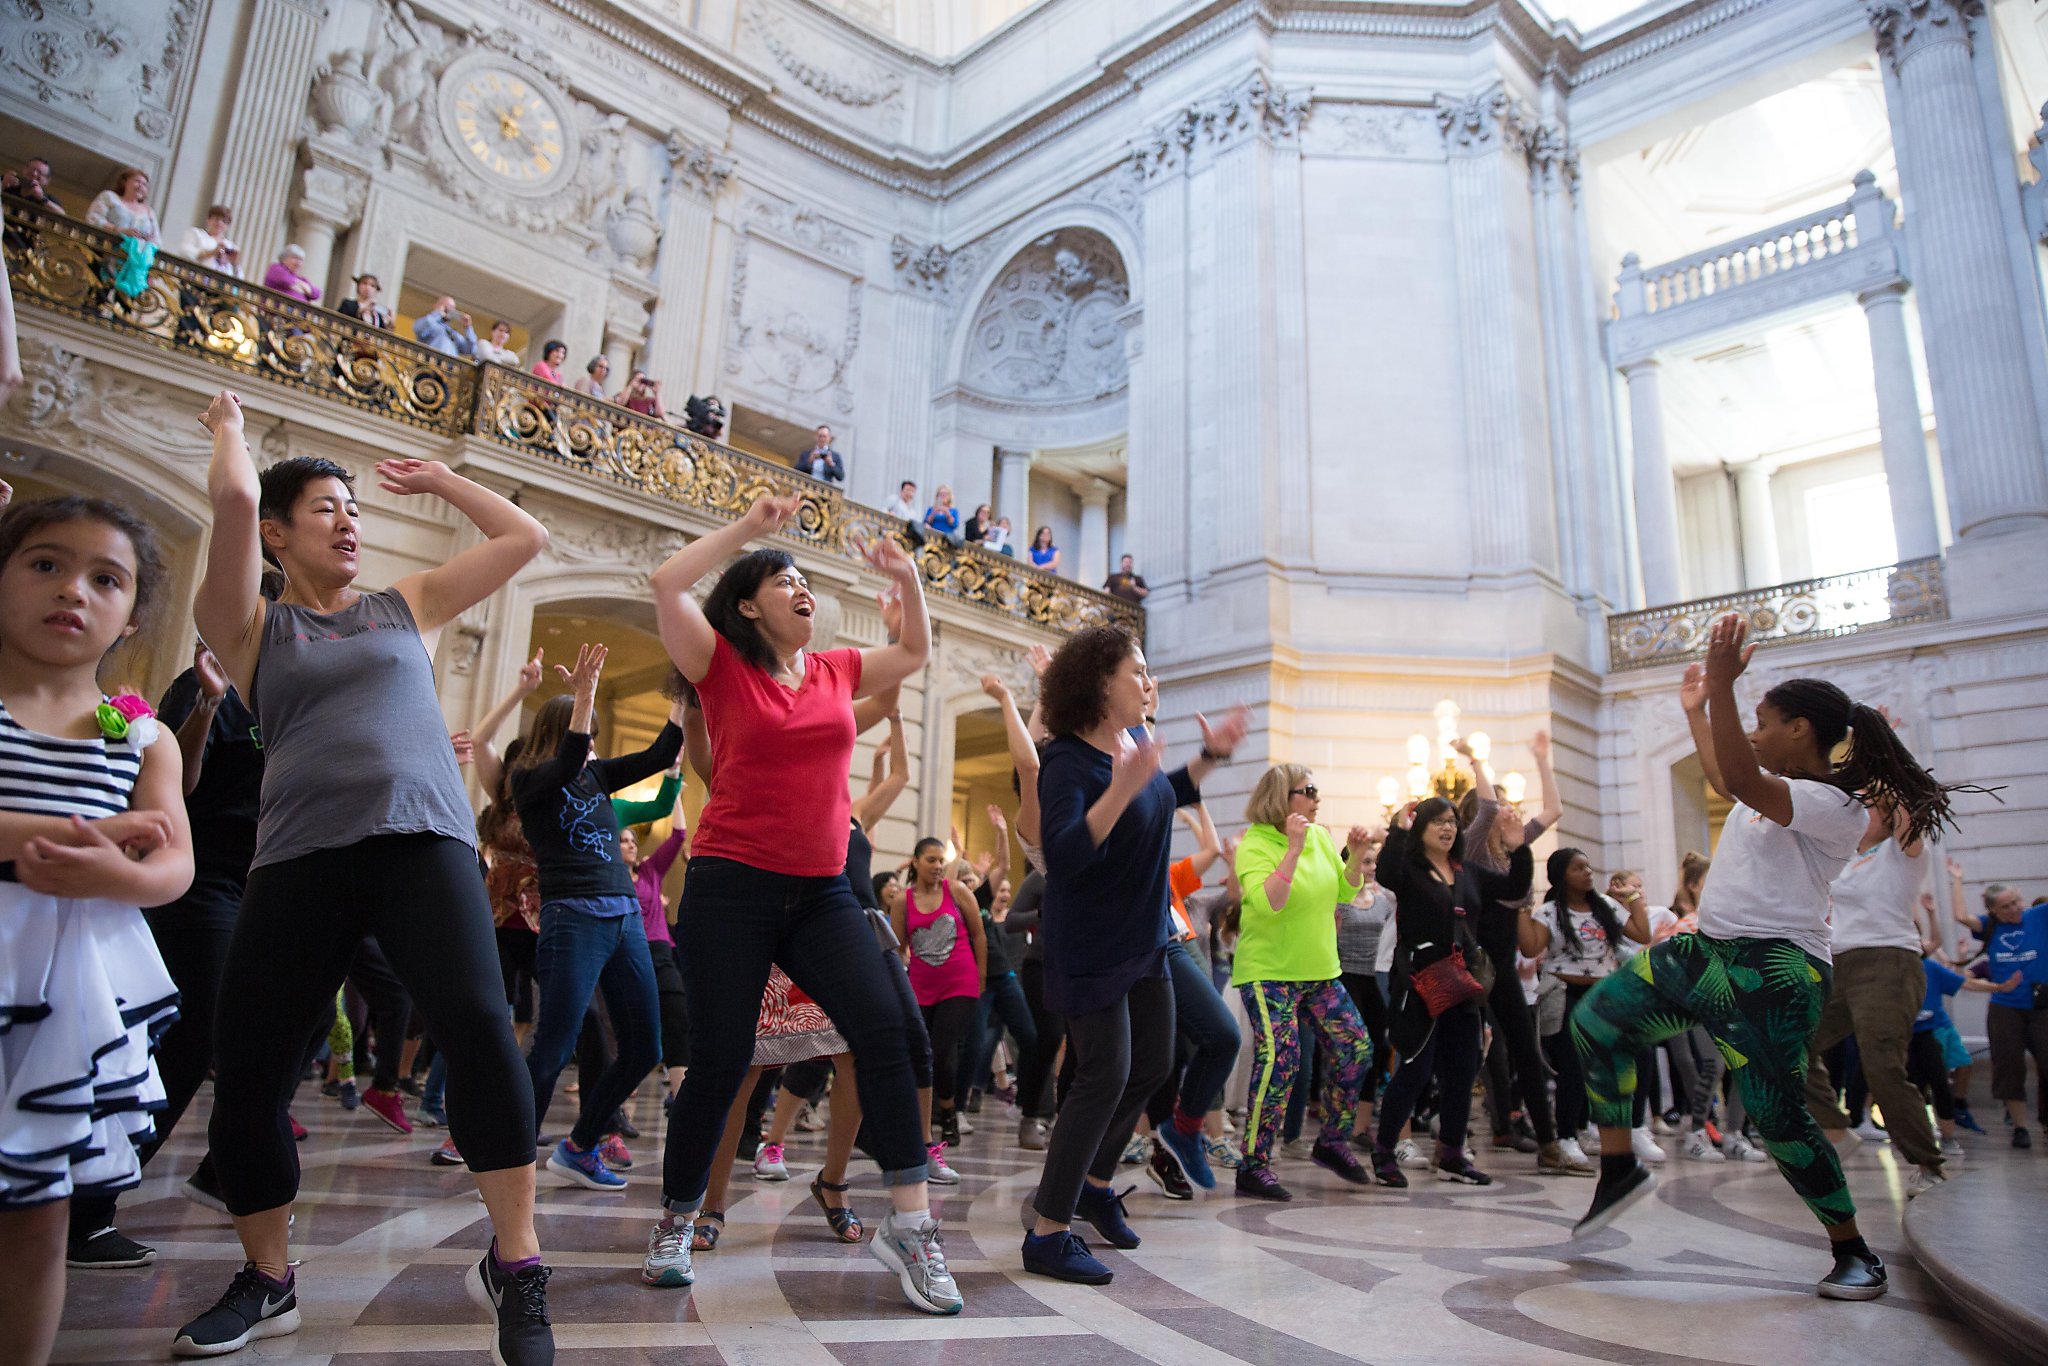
<point x="769" y="513"/>
<point x="1135" y="764"/>
<point x="409" y="477"/>
<point x="995" y="818"/>
<point x="1692" y="689"/>
<point x="465" y="748"/>
<point x="1727" y="650"/>
<point x="1539" y="745"/>
<point x="1356" y="842"/>
<point x="213" y="680"/>
<point x="1041" y="659"/>
<point x="224" y="414"/>
<point x="1223" y="739"/>
<point x="1955" y="870"/>
<point x="582" y="680"/>
<point x="890" y="600"/>
<point x="884" y="556"/>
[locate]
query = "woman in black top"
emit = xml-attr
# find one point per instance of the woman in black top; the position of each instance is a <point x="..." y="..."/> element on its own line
<point x="591" y="934"/>
<point x="1437" y="901"/>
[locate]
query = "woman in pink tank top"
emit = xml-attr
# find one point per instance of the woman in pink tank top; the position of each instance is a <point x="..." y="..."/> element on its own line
<point x="939" y="928"/>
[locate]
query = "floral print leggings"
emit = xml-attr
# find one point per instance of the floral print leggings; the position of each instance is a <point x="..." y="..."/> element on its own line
<point x="1276" y="1010"/>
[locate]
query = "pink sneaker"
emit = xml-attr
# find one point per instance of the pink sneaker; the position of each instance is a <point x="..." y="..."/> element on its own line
<point x="298" y="1130"/>
<point x="768" y="1163"/>
<point x="446" y="1155"/>
<point x="613" y="1151"/>
<point x="388" y="1106"/>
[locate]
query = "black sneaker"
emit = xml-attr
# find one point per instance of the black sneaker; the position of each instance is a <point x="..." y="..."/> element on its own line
<point x="1455" y="1164"/>
<point x="1857" y="1276"/>
<point x="2021" y="1138"/>
<point x="108" y="1250"/>
<point x="1103" y="1207"/>
<point x="1259" y="1183"/>
<point x="1064" y="1256"/>
<point x="1335" y="1155"/>
<point x="518" y="1305"/>
<point x="622" y="1126"/>
<point x="1386" y="1169"/>
<point x="203" y="1187"/>
<point x="948" y="1125"/>
<point x="1612" y="1198"/>
<point x="254" y="1307"/>
<point x="1167" y="1175"/>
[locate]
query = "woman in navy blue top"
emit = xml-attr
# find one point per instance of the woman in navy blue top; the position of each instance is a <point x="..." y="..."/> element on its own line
<point x="1106" y="822"/>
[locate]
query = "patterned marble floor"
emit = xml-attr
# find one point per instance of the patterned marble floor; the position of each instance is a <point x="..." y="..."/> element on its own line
<point x="1719" y="1268"/>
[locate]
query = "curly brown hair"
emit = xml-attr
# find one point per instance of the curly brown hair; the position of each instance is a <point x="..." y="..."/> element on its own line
<point x="1071" y="689"/>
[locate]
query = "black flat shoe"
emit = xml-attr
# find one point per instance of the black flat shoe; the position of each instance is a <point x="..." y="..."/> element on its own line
<point x="1857" y="1276"/>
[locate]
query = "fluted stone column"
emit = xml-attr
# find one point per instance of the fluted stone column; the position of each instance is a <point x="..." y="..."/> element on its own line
<point x="1907" y="473"/>
<point x="1013" y="492"/>
<point x="1092" y="566"/>
<point x="1759" y="521"/>
<point x="1656" y="496"/>
<point x="257" y="159"/>
<point x="1978" y="361"/>
<point x="682" y="273"/>
<point x="1157" y="515"/>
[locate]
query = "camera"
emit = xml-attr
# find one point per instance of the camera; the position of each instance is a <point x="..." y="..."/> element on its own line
<point x="705" y="416"/>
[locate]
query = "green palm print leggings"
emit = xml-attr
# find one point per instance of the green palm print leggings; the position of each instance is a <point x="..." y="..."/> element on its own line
<point x="1760" y="999"/>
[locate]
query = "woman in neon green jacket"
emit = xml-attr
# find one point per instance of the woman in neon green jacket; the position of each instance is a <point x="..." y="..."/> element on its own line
<point x="1286" y="966"/>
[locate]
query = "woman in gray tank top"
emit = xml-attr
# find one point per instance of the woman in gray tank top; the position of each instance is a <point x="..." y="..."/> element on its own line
<point x="364" y="829"/>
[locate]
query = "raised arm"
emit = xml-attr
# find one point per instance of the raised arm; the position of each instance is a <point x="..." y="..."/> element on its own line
<point x="1219" y="742"/>
<point x="228" y="608"/>
<point x="872" y="805"/>
<point x="999" y="865"/>
<point x="1482" y="782"/>
<point x="1023" y="753"/>
<point x="1959" y="906"/>
<point x="10" y="345"/>
<point x="1546" y="783"/>
<point x="490" y="767"/>
<point x="627" y="769"/>
<point x="886" y="666"/>
<point x="198" y="723"/>
<point x="511" y="539"/>
<point x="1692" y="696"/>
<point x="687" y="636"/>
<point x="1727" y="656"/>
<point x="1208" y="848"/>
<point x="559" y="768"/>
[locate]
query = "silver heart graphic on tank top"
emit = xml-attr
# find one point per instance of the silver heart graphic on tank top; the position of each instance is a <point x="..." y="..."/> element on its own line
<point x="934" y="943"/>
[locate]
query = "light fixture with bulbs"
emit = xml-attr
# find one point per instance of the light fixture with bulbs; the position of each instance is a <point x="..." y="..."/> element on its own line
<point x="1450" y="780"/>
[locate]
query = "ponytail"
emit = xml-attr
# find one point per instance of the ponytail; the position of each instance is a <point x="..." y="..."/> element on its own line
<point x="1878" y="767"/>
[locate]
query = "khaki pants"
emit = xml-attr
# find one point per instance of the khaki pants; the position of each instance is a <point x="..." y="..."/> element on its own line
<point x="1876" y="994"/>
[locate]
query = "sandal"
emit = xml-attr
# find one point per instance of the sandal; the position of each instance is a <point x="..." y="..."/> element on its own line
<point x="703" y="1236"/>
<point x="845" y="1223"/>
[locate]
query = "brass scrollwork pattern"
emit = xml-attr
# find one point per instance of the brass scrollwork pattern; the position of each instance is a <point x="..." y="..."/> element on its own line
<point x="1844" y="604"/>
<point x="67" y="267"/>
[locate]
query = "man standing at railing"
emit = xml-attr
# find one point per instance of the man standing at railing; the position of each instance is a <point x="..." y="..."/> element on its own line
<point x="1127" y="583"/>
<point x="447" y="329"/>
<point x="822" y="462"/>
<point x="32" y="183"/>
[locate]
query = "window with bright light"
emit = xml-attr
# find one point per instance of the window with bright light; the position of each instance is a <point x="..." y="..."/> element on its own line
<point x="1849" y="526"/>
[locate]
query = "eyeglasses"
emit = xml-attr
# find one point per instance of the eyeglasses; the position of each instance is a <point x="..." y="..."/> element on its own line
<point x="1308" y="792"/>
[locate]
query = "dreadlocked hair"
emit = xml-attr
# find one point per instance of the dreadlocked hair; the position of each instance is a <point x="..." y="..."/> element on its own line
<point x="1878" y="767"/>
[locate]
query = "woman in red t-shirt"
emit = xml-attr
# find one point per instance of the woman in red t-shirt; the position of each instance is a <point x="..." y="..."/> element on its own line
<point x="766" y="881"/>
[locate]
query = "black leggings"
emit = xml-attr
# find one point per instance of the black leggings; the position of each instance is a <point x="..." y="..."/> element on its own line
<point x="675" y="1004"/>
<point x="949" y="1022"/>
<point x="1364" y="990"/>
<point x="1571" y="1076"/>
<point x="1927" y="1069"/>
<point x="390" y="1014"/>
<point x="517" y="946"/>
<point x="296" y="937"/>
<point x="1035" y="1068"/>
<point x="1515" y="1022"/>
<point x="916" y="1037"/>
<point x="1450" y="1053"/>
<point x="734" y="922"/>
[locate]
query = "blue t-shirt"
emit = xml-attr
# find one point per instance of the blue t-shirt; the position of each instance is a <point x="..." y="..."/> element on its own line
<point x="1104" y="918"/>
<point x="1043" y="557"/>
<point x="2020" y="947"/>
<point x="1942" y="983"/>
<point x="947" y="520"/>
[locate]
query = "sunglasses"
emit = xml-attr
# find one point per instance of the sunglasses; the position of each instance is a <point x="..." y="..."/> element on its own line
<point x="1308" y="792"/>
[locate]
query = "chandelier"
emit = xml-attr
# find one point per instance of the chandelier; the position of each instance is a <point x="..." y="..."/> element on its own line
<point x="1450" y="779"/>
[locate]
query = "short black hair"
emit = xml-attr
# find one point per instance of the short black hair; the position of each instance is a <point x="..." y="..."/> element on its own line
<point x="285" y="482"/>
<point x="906" y="484"/>
<point x="23" y="520"/>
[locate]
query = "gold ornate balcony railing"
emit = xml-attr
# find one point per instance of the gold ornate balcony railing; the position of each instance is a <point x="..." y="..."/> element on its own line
<point x="66" y="267"/>
<point x="1813" y="609"/>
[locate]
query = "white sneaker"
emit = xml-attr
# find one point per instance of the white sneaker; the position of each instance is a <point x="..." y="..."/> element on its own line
<point x="668" y="1254"/>
<point x="940" y="1174"/>
<point x="1137" y="1151"/>
<point x="1645" y="1147"/>
<point x="1922" y="1179"/>
<point x="809" y="1121"/>
<point x="1698" y="1149"/>
<point x="919" y="1261"/>
<point x="1410" y="1156"/>
<point x="966" y="1125"/>
<point x="1870" y="1133"/>
<point x="1573" y="1153"/>
<point x="1589" y="1140"/>
<point x="768" y="1164"/>
<point x="1951" y="1148"/>
<point x="1736" y="1148"/>
<point x="1301" y="1149"/>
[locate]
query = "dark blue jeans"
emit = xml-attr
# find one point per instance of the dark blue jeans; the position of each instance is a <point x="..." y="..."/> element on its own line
<point x="1205" y="1024"/>
<point x="582" y="951"/>
<point x="1003" y="1001"/>
<point x="734" y="921"/>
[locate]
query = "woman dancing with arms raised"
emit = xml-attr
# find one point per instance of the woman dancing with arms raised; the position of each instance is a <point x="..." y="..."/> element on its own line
<point x="364" y="829"/>
<point x="763" y="888"/>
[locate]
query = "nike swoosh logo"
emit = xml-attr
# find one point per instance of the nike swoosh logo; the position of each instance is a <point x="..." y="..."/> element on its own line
<point x="271" y="1306"/>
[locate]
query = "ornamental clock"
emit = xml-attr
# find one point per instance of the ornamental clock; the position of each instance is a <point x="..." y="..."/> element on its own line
<point x="509" y="124"/>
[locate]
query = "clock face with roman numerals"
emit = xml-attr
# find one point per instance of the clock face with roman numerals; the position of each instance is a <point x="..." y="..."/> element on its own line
<point x="508" y="123"/>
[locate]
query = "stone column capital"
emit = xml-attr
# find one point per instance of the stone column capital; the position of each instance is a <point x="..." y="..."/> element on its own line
<point x="1904" y="27"/>
<point x="697" y="168"/>
<point x="1096" y="493"/>
<point x="1890" y="292"/>
<point x="1648" y="366"/>
<point x="1490" y="121"/>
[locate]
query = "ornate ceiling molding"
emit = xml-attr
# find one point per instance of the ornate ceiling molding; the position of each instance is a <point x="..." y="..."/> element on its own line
<point x="1252" y="108"/>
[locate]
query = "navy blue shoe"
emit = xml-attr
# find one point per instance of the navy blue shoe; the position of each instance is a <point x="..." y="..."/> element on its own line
<point x="1103" y="1207"/>
<point x="1187" y="1150"/>
<point x="1064" y="1256"/>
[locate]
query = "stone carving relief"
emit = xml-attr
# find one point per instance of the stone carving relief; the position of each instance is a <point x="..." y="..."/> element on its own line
<point x="119" y="66"/>
<point x="1554" y="157"/>
<point x="1391" y="132"/>
<point x="1047" y="328"/>
<point x="835" y="75"/>
<point x="1254" y="107"/>
<point x="1903" y="25"/>
<point x="86" y="405"/>
<point x="786" y="337"/>
<point x="921" y="270"/>
<point x="694" y="167"/>
<point x="1486" y="122"/>
<point x="634" y="544"/>
<point x="804" y="227"/>
<point x="965" y="665"/>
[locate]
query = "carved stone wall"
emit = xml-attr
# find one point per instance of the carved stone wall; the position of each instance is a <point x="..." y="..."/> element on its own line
<point x="813" y="68"/>
<point x="793" y="310"/>
<point x="1047" y="329"/>
<point x="102" y="71"/>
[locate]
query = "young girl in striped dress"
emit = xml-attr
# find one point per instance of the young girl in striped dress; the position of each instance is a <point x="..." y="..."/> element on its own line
<point x="92" y="825"/>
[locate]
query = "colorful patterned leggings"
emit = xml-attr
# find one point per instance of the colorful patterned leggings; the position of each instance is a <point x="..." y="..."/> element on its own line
<point x="1760" y="1000"/>
<point x="1274" y="1009"/>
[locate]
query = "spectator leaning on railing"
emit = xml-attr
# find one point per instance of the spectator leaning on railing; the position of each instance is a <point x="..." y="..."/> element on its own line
<point x="549" y="366"/>
<point x="497" y="347"/>
<point x="125" y="208"/>
<point x="209" y="246"/>
<point x="32" y="182"/>
<point x="283" y="276"/>
<point x="595" y="372"/>
<point x="364" y="306"/>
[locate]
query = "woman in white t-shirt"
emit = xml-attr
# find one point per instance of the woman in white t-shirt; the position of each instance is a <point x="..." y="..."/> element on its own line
<point x="1757" y="972"/>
